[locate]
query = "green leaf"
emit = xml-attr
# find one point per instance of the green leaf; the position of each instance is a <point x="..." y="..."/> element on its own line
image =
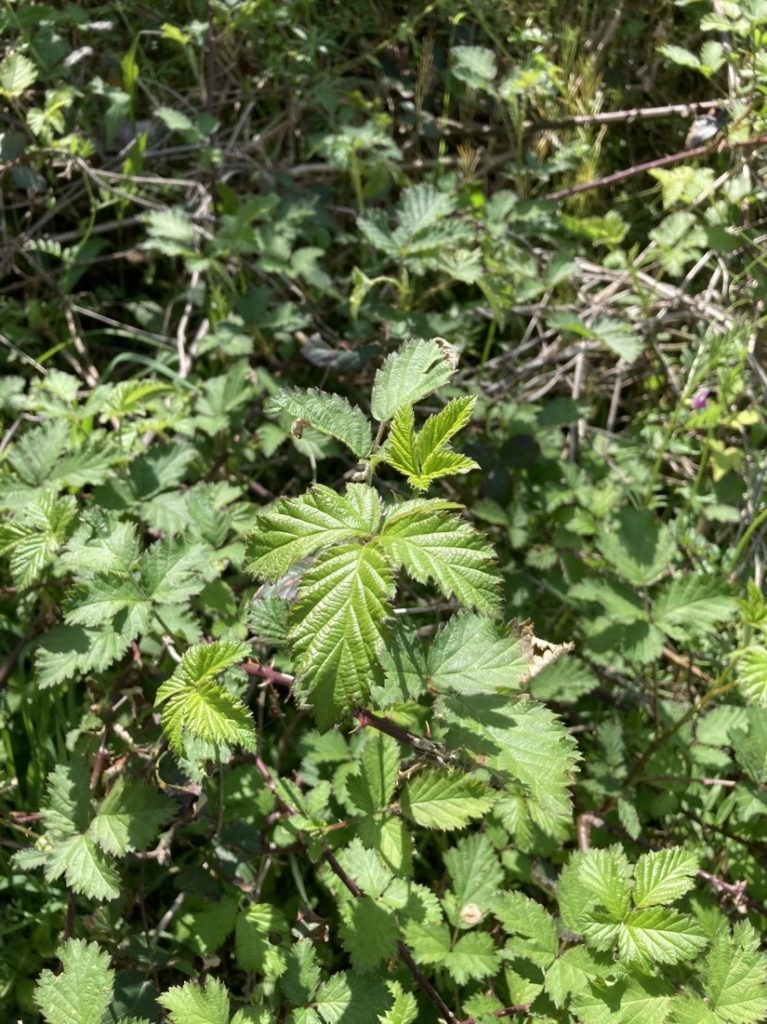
<point x="72" y="650"/>
<point x="522" y="740"/>
<point x="679" y="55"/>
<point x="471" y="654"/>
<point x="81" y="993"/>
<point x="330" y="414"/>
<point x="17" y="74"/>
<point x="432" y="543"/>
<point x="369" y="933"/>
<point x="475" y="65"/>
<point x="34" y="537"/>
<point x="691" y="606"/>
<point x="571" y="972"/>
<point x="129" y="817"/>
<point x="254" y="948"/>
<point x="427" y="456"/>
<point x="750" y="745"/>
<point x="533" y="928"/>
<point x="735" y="976"/>
<point x="297" y="527"/>
<point x="194" y="703"/>
<point x="639" y="550"/>
<point x="663" y="876"/>
<point x="659" y="935"/>
<point x="420" y="208"/>
<point x="302" y="975"/>
<point x="606" y="875"/>
<point x="620" y="337"/>
<point x="338" y="627"/>
<point x="86" y="869"/>
<point x="476" y="877"/>
<point x="373" y="786"/>
<point x="408" y="375"/>
<point x="472" y="958"/>
<point x="404" y="1009"/>
<point x="68" y="849"/>
<point x="96" y="602"/>
<point x="197" y="1004"/>
<point x="345" y="998"/>
<point x="445" y="800"/>
<point x="752" y="675"/>
<point x="638" y="1000"/>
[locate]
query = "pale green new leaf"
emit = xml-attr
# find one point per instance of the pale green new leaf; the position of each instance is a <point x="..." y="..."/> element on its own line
<point x="433" y="543"/>
<point x="735" y="976"/>
<point x="407" y="376"/>
<point x="191" y="1003"/>
<point x="81" y="993"/>
<point x="17" y="74"/>
<point x="427" y="456"/>
<point x="193" y="702"/>
<point x="34" y="537"/>
<point x="338" y="627"/>
<point x="663" y="876"/>
<point x="472" y="654"/>
<point x="330" y="414"/>
<point x="475" y="65"/>
<point x="659" y="935"/>
<point x="297" y="527"/>
<point x="752" y="675"/>
<point x="445" y="800"/>
<point x="400" y="451"/>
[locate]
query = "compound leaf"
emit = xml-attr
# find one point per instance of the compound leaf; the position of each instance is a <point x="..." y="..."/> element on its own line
<point x="297" y="527"/>
<point x="433" y="543"/>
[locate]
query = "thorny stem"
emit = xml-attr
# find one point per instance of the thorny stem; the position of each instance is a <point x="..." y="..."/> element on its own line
<point x="265" y="672"/>
<point x="663" y="161"/>
<point x="329" y="857"/>
<point x="659" y="741"/>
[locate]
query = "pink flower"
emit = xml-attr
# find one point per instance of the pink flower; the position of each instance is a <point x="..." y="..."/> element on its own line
<point x="700" y="398"/>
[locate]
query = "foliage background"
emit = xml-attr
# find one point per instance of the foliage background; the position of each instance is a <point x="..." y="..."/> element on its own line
<point x="205" y="202"/>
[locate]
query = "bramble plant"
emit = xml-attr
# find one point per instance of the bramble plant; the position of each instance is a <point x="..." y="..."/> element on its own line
<point x="278" y="740"/>
<point x="448" y="735"/>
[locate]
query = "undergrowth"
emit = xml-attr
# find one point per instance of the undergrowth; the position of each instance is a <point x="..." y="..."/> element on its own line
<point x="382" y="511"/>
